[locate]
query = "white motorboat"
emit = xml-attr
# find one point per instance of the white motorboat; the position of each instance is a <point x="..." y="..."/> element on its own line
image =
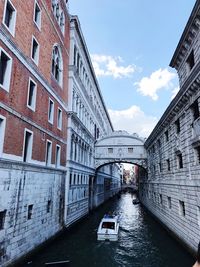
<point x="108" y="228"/>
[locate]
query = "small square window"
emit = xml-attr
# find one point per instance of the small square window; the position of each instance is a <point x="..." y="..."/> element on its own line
<point x="110" y="150"/>
<point x="35" y="51"/>
<point x="182" y="208"/>
<point x="31" y="100"/>
<point x="130" y="150"/>
<point x="5" y="70"/>
<point x="169" y="201"/>
<point x="9" y="19"/>
<point x="37" y="15"/>
<point x="2" y="219"/>
<point x="30" y="211"/>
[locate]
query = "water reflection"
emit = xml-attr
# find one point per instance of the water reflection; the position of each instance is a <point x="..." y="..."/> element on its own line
<point x="142" y="242"/>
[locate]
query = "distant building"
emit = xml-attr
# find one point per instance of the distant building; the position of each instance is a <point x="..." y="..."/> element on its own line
<point x="171" y="191"/>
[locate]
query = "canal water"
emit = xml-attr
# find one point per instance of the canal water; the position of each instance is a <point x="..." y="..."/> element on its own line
<point x="142" y="242"/>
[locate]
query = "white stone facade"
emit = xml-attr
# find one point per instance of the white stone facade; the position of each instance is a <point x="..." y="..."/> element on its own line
<point x="88" y="121"/>
<point x="172" y="190"/>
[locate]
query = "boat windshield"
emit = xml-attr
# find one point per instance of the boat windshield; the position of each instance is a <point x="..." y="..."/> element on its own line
<point x="108" y="225"/>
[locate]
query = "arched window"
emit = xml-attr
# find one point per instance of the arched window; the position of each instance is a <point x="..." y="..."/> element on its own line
<point x="56" y="67"/>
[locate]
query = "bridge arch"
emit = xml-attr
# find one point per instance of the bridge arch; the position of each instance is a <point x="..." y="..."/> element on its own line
<point x="120" y="147"/>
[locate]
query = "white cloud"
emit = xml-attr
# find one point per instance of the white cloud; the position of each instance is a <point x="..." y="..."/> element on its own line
<point x="133" y="120"/>
<point x="160" y="79"/>
<point x="174" y="92"/>
<point x="111" y="66"/>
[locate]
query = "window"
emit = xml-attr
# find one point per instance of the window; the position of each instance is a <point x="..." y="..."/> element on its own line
<point x="130" y="150"/>
<point x="2" y="219"/>
<point x="5" y="69"/>
<point x="160" y="199"/>
<point x="190" y="61"/>
<point x="166" y="136"/>
<point x="110" y="150"/>
<point x="31" y="100"/>
<point x="177" y="125"/>
<point x="48" y="206"/>
<point x="58" y="14"/>
<point x="198" y="215"/>
<point x="48" y="152"/>
<point x="168" y="165"/>
<point x="35" y="51"/>
<point x="195" y="109"/>
<point x="180" y="161"/>
<point x="197" y="152"/>
<point x="30" y="211"/>
<point x="160" y="166"/>
<point x="9" y="18"/>
<point x="28" y="142"/>
<point x="56" y="66"/>
<point x="182" y="208"/>
<point x="51" y="111"/>
<point x="57" y="155"/>
<point x="37" y="15"/>
<point x="169" y="201"/>
<point x="2" y="133"/>
<point x="59" y="119"/>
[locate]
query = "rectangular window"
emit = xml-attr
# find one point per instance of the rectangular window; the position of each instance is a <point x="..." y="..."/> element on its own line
<point x="180" y="161"/>
<point x="30" y="211"/>
<point x="169" y="201"/>
<point x="48" y="206"/>
<point x="59" y="119"/>
<point x="5" y="69"/>
<point x="160" y="198"/>
<point x="37" y="15"/>
<point x="51" y="111"/>
<point x="160" y="166"/>
<point x="28" y="142"/>
<point x="190" y="61"/>
<point x="178" y="126"/>
<point x="167" y="136"/>
<point x="197" y="154"/>
<point x="58" y="155"/>
<point x="198" y="215"/>
<point x="182" y="208"/>
<point x="35" y="51"/>
<point x="48" y="152"/>
<point x="2" y="219"/>
<point x="168" y="165"/>
<point x="110" y="150"/>
<point x="2" y="133"/>
<point x="31" y="100"/>
<point x="130" y="150"/>
<point x="195" y="109"/>
<point x="9" y="19"/>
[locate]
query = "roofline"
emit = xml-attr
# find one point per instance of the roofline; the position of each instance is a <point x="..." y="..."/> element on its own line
<point x="82" y="39"/>
<point x="187" y="27"/>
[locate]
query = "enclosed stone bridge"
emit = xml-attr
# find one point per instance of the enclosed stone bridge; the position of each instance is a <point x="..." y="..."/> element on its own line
<point x="121" y="147"/>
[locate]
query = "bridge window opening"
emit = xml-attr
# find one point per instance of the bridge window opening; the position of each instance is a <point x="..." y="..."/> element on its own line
<point x="195" y="110"/>
<point x="182" y="208"/>
<point x="169" y="201"/>
<point x="110" y="150"/>
<point x="130" y="150"/>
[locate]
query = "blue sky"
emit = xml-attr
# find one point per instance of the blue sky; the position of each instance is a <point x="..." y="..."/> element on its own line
<point x="131" y="43"/>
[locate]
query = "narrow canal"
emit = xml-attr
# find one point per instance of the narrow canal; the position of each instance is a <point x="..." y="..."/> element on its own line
<point x="142" y="242"/>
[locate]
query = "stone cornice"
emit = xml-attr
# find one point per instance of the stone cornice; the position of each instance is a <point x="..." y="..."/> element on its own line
<point x="187" y="37"/>
<point x="190" y="86"/>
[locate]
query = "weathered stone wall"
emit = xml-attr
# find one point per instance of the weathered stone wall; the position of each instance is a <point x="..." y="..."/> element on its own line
<point x="25" y="226"/>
